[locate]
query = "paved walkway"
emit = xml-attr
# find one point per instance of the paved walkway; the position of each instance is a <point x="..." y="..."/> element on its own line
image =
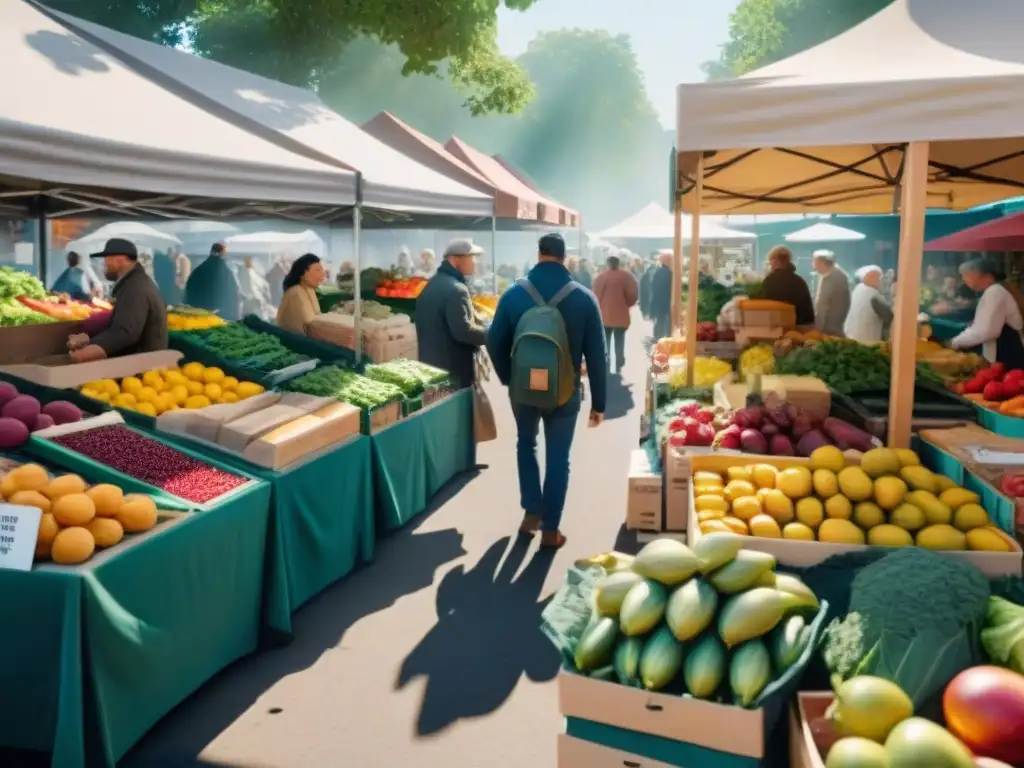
<point x="432" y="655"/>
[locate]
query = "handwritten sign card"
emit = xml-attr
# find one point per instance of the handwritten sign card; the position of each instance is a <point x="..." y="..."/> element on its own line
<point x="19" y="529"/>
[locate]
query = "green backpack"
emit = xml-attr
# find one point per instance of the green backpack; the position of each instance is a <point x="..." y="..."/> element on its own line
<point x="542" y="372"/>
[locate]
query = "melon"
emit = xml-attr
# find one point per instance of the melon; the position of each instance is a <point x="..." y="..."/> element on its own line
<point x="13" y="434"/>
<point x="72" y="546"/>
<point x="106" y="498"/>
<point x="24" y="408"/>
<point x="7" y="392"/>
<point x="42" y="422"/>
<point x="137" y="514"/>
<point x="74" y="509"/>
<point x="106" y="531"/>
<point x="62" y="412"/>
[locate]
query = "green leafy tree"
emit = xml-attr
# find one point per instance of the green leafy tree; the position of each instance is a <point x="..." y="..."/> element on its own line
<point x="764" y="31"/>
<point x="294" y="40"/>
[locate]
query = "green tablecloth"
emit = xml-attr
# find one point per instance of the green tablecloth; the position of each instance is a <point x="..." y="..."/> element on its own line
<point x="321" y="522"/>
<point x="414" y="458"/>
<point x="146" y="623"/>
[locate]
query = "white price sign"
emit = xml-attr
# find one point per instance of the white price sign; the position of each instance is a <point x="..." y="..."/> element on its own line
<point x="19" y="529"/>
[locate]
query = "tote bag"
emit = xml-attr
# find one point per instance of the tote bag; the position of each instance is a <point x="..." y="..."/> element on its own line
<point x="484" y="426"/>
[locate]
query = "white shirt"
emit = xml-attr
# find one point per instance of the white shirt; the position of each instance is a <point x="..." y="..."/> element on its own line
<point x="996" y="308"/>
<point x="862" y="322"/>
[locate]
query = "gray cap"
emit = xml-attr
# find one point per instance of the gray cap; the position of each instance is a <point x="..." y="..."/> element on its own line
<point x="462" y="246"/>
<point x="824" y="253"/>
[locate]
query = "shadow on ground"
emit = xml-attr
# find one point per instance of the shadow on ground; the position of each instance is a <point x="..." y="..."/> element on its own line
<point x="486" y="637"/>
<point x="411" y="560"/>
<point x="619" y="399"/>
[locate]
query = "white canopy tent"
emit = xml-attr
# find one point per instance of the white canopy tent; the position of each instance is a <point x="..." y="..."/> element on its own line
<point x="141" y="234"/>
<point x="824" y="233"/>
<point x="189" y="228"/>
<point x="653" y="222"/>
<point x="74" y="116"/>
<point x="824" y="130"/>
<point x="294" y="119"/>
<point x="916" y="107"/>
<point x="266" y="243"/>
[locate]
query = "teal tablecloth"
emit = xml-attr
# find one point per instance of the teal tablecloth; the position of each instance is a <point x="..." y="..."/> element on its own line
<point x="146" y="623"/>
<point x="414" y="458"/>
<point x="320" y="526"/>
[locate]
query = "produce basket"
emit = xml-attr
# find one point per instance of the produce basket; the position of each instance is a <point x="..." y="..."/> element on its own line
<point x="934" y="406"/>
<point x="25" y="343"/>
<point x="1000" y="423"/>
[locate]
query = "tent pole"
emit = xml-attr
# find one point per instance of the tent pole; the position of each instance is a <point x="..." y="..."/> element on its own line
<point x="357" y="225"/>
<point x="694" y="276"/>
<point x="494" y="254"/>
<point x="675" y="300"/>
<point x="908" y="279"/>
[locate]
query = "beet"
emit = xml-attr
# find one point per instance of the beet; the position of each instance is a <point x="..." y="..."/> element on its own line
<point x="7" y="392"/>
<point x="62" y="412"/>
<point x="792" y="411"/>
<point x="847" y="436"/>
<point x="43" y="421"/>
<point x="802" y="424"/>
<point x="152" y="462"/>
<point x="769" y="430"/>
<point x="811" y="441"/>
<point x="781" y="446"/>
<point x="755" y="416"/>
<point x="24" y="408"/>
<point x="740" y="419"/>
<point x="752" y="441"/>
<point x="779" y="417"/>
<point x="13" y="434"/>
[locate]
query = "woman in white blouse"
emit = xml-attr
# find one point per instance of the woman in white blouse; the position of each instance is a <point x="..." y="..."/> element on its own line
<point x="997" y="321"/>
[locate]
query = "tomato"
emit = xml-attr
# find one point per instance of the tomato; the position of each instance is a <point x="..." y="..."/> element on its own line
<point x="1012" y="485"/>
<point x="984" y="708"/>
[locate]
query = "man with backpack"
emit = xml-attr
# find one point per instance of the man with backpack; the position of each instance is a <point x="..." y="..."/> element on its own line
<point x="545" y="326"/>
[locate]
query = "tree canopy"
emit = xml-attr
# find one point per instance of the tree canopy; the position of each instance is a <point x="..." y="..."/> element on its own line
<point x="765" y="31"/>
<point x="294" y="40"/>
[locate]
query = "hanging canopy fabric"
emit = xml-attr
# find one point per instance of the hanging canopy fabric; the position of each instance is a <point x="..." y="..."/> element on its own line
<point x="825" y="129"/>
<point x="566" y="216"/>
<point x="824" y="233"/>
<point x="528" y="204"/>
<point x="264" y="243"/>
<point x="72" y="114"/>
<point x="294" y="119"/>
<point x="1005" y="234"/>
<point x="653" y="222"/>
<point x="139" y="233"/>
<point x="192" y="228"/>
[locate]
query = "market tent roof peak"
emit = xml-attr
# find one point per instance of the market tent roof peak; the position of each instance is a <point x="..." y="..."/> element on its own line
<point x="294" y="118"/>
<point x="823" y="232"/>
<point x="825" y="129"/>
<point x="1003" y="234"/>
<point x="653" y="222"/>
<point x="528" y="206"/>
<point x="567" y="217"/>
<point x="73" y="115"/>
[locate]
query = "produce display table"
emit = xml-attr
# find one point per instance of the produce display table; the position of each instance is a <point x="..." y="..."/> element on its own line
<point x="320" y="525"/>
<point x="415" y="457"/>
<point x="146" y="623"/>
<point x="944" y="328"/>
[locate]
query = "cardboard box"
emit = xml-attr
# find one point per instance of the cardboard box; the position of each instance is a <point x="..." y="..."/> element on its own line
<point x="809" y="737"/>
<point x="305" y="436"/>
<point x="802" y="554"/>
<point x="720" y="727"/>
<point x="60" y="373"/>
<point x="643" y="505"/>
<point x="577" y="753"/>
<point x="678" y="473"/>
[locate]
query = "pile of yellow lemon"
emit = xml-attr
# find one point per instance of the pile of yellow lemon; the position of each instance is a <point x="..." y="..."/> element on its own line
<point x="191" y="386"/>
<point x="188" y="322"/>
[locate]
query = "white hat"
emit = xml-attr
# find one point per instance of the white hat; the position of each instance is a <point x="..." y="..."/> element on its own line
<point x="824" y="253"/>
<point x="865" y="271"/>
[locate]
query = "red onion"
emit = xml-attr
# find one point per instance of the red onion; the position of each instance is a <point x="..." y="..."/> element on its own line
<point x="152" y="462"/>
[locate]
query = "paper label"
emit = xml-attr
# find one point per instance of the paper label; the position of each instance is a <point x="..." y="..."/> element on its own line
<point x="19" y="529"/>
<point x="538" y="380"/>
<point x="983" y="455"/>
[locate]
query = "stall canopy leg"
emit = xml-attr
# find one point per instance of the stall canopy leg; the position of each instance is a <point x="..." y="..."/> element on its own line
<point x="494" y="255"/>
<point x="675" y="305"/>
<point x="694" y="274"/>
<point x="908" y="279"/>
<point x="357" y="226"/>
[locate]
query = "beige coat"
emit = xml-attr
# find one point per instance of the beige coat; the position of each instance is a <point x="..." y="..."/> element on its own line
<point x="299" y="306"/>
<point x="616" y="292"/>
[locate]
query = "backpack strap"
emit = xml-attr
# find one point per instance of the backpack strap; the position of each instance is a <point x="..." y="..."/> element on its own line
<point x="566" y="289"/>
<point x="527" y="286"/>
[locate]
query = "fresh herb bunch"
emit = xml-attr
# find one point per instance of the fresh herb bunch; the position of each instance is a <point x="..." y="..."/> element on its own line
<point x="261" y="352"/>
<point x="14" y="283"/>
<point x="346" y="386"/>
<point x="846" y="366"/>
<point x="411" y="376"/>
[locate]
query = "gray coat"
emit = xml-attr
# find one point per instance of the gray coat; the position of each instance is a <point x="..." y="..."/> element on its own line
<point x="448" y="333"/>
<point x="139" y="321"/>
<point x="832" y="302"/>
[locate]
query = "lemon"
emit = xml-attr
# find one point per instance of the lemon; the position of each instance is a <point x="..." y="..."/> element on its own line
<point x="795" y="482"/>
<point x="153" y="379"/>
<point x="798" y="532"/>
<point x="838" y="508"/>
<point x="175" y="378"/>
<point x="147" y="395"/>
<point x="147" y="408"/>
<point x="167" y="401"/>
<point x="104" y="397"/>
<point x="90" y="392"/>
<point x="124" y="400"/>
<point x="810" y="512"/>
<point x="229" y="384"/>
<point x="194" y="387"/>
<point x="131" y="385"/>
<point x="111" y="387"/>
<point x="213" y="391"/>
<point x="828" y="457"/>
<point x="213" y="375"/>
<point x="246" y="389"/>
<point x="197" y="401"/>
<point x="180" y="394"/>
<point x="229" y="397"/>
<point x="193" y="371"/>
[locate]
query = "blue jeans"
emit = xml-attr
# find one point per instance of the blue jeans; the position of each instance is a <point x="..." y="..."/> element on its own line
<point x="559" y="425"/>
<point x="619" y="336"/>
<point x="662" y="326"/>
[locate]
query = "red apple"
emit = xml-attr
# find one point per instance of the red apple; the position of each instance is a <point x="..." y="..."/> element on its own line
<point x="677" y="424"/>
<point x="993" y="391"/>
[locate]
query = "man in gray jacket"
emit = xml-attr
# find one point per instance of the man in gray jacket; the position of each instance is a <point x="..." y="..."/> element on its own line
<point x="447" y="330"/>
<point x="832" y="298"/>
